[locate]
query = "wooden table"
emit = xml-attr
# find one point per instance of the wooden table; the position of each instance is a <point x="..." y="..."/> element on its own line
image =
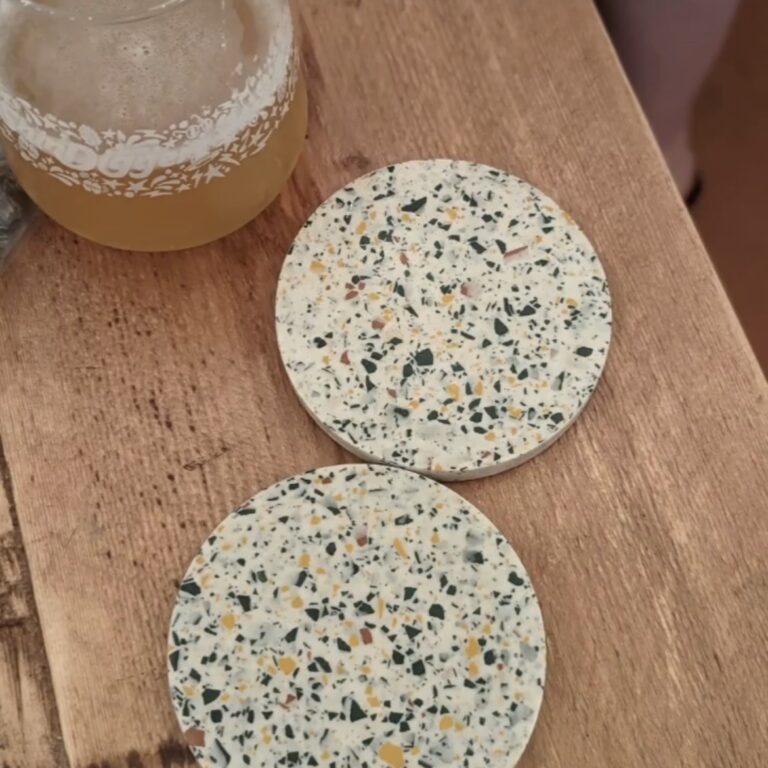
<point x="141" y="398"/>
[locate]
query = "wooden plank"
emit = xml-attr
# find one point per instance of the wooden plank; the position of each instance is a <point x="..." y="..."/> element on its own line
<point x="29" y="729"/>
<point x="142" y="398"/>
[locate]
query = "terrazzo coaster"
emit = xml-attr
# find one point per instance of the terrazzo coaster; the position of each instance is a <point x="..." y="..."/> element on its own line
<point x="357" y="616"/>
<point x="443" y="316"/>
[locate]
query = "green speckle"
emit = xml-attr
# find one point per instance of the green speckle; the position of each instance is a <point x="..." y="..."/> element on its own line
<point x="415" y="205"/>
<point x="425" y="357"/>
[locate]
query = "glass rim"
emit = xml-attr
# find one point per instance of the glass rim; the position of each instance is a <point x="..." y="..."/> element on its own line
<point x="66" y="12"/>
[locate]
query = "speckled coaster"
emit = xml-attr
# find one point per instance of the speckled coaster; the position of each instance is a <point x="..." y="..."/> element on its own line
<point x="443" y="316"/>
<point x="354" y="617"/>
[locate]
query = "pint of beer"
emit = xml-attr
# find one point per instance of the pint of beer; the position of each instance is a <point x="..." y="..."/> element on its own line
<point x="150" y="124"/>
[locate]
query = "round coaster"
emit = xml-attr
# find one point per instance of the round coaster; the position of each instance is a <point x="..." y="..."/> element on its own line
<point x="443" y="316"/>
<point x="361" y="616"/>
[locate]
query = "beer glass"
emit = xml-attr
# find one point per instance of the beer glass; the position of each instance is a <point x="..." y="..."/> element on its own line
<point x="149" y="124"/>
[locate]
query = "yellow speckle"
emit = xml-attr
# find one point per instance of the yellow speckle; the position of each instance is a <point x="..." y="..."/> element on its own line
<point x="414" y="404"/>
<point x="446" y="723"/>
<point x="447" y="298"/>
<point x="571" y="302"/>
<point x="226" y="546"/>
<point x="224" y="696"/>
<point x="473" y="648"/>
<point x="415" y="751"/>
<point x="361" y="228"/>
<point x="374" y="295"/>
<point x="228" y="621"/>
<point x="271" y="670"/>
<point x="515" y="412"/>
<point x="459" y="726"/>
<point x="454" y="391"/>
<point x="189" y="690"/>
<point x="365" y="669"/>
<point x="472" y="669"/>
<point x="369" y="690"/>
<point x="336" y="589"/>
<point x="349" y="546"/>
<point x="381" y="606"/>
<point x="353" y="640"/>
<point x="373" y="701"/>
<point x="297" y="602"/>
<point x="479" y="388"/>
<point x="331" y="248"/>
<point x="326" y="755"/>
<point x="206" y="580"/>
<point x="453" y="214"/>
<point x="437" y="467"/>
<point x="260" y="661"/>
<point x="317" y="267"/>
<point x="338" y="497"/>
<point x="400" y="549"/>
<point x="315" y="520"/>
<point x="439" y="506"/>
<point x="392" y="755"/>
<point x="200" y="560"/>
<point x="305" y="560"/>
<point x="287" y="665"/>
<point x="487" y="629"/>
<point x="284" y="588"/>
<point x="435" y="538"/>
<point x="407" y="217"/>
<point x="567" y="216"/>
<point x="321" y="572"/>
<point x="267" y="738"/>
<point x="326" y="360"/>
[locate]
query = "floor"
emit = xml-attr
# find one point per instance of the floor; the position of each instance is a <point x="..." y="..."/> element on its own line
<point x="730" y="138"/>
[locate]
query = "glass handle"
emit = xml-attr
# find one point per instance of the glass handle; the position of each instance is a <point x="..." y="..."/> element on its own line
<point x="15" y="211"/>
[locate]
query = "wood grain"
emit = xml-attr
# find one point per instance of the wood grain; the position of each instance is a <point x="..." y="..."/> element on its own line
<point x="29" y="729"/>
<point x="141" y="398"/>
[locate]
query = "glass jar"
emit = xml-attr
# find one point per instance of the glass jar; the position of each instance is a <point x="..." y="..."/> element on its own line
<point x="150" y="125"/>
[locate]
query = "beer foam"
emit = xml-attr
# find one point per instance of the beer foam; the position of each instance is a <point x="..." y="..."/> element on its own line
<point x="173" y="90"/>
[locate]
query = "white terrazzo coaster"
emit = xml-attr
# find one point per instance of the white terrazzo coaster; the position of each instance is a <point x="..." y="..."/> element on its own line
<point x="443" y="316"/>
<point x="354" y="617"/>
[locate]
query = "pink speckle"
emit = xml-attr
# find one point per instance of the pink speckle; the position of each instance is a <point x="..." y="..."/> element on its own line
<point x="516" y="254"/>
